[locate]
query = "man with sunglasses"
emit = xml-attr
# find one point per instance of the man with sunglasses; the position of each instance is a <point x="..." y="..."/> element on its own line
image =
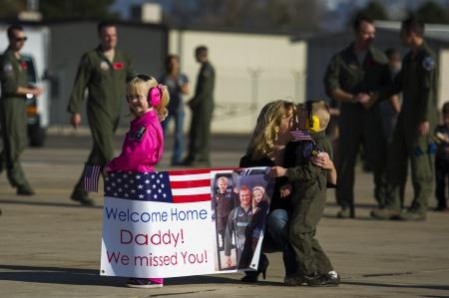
<point x="104" y="72"/>
<point x="357" y="69"/>
<point x="15" y="88"/>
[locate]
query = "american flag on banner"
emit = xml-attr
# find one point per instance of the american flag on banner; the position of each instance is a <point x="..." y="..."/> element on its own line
<point x="91" y="177"/>
<point x="170" y="187"/>
<point x="300" y="135"/>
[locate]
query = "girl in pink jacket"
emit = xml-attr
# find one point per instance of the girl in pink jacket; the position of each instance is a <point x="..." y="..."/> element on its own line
<point x="144" y="143"/>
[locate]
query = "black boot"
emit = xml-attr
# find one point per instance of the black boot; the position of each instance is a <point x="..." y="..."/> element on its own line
<point x="253" y="276"/>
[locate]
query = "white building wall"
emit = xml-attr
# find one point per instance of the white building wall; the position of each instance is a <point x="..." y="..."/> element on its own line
<point x="251" y="70"/>
<point x="443" y="88"/>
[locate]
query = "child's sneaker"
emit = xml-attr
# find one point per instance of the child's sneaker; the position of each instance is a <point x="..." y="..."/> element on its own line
<point x="332" y="278"/>
<point x="142" y="283"/>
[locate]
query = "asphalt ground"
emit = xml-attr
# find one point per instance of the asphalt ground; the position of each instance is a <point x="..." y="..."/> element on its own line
<point x="50" y="246"/>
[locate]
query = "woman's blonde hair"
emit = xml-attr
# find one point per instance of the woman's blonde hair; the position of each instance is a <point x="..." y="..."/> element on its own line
<point x="141" y="84"/>
<point x="265" y="135"/>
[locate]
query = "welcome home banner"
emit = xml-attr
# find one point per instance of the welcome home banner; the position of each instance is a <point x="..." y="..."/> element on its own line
<point x="188" y="222"/>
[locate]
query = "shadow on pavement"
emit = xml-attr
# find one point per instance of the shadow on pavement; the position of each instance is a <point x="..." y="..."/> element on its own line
<point x="70" y="204"/>
<point x="91" y="277"/>
<point x="56" y="275"/>
<point x="389" y="285"/>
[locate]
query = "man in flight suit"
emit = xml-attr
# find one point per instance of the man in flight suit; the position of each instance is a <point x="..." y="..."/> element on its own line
<point x="238" y="220"/>
<point x="358" y="68"/>
<point x="412" y="138"/>
<point x="202" y="106"/>
<point x="15" y="87"/>
<point x="104" y="71"/>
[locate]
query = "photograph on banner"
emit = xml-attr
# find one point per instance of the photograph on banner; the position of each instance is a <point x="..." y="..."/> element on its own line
<point x="240" y="202"/>
<point x="165" y="224"/>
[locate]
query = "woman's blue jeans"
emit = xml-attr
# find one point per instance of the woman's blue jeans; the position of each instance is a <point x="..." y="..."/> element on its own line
<point x="178" y="135"/>
<point x="277" y="228"/>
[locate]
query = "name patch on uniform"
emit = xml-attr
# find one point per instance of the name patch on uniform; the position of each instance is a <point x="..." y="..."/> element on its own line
<point x="137" y="135"/>
<point x="428" y="63"/>
<point x="7" y="68"/>
<point x="104" y="65"/>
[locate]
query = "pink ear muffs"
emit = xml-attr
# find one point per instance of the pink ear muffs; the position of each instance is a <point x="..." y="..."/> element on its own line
<point x="154" y="96"/>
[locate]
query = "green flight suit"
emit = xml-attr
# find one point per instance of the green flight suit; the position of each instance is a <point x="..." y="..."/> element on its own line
<point x="357" y="125"/>
<point x="202" y="106"/>
<point x="418" y="81"/>
<point x="106" y="85"/>
<point x="13" y="74"/>
<point x="309" y="199"/>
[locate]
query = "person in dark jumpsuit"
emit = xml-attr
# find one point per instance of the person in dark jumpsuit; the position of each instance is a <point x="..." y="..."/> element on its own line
<point x="356" y="69"/>
<point x="202" y="106"/>
<point x="238" y="220"/>
<point x="104" y="72"/>
<point x="413" y="135"/>
<point x="15" y="88"/>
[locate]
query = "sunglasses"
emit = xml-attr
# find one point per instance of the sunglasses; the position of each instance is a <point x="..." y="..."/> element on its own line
<point x="20" y="38"/>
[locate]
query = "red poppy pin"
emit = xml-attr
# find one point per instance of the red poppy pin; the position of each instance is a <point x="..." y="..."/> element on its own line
<point x="23" y="65"/>
<point x="118" y="65"/>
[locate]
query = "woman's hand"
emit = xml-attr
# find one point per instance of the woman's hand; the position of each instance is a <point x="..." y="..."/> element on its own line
<point x="278" y="171"/>
<point x="286" y="190"/>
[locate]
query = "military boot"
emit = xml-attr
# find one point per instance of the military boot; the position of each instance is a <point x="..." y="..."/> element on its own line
<point x="413" y="215"/>
<point x="385" y="213"/>
<point x="81" y="196"/>
<point x="346" y="213"/>
<point x="25" y="190"/>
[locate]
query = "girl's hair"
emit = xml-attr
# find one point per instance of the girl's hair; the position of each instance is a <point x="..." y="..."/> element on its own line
<point x="264" y="198"/>
<point x="141" y="84"/>
<point x="262" y="143"/>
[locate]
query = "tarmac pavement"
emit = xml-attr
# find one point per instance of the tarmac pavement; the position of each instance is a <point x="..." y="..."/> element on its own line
<point x="50" y="246"/>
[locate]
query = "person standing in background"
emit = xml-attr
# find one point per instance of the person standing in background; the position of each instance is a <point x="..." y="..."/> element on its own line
<point x="358" y="68"/>
<point x="413" y="135"/>
<point x="104" y="72"/>
<point x="442" y="159"/>
<point x="202" y="106"/>
<point x="390" y="109"/>
<point x="15" y="88"/>
<point x="178" y="85"/>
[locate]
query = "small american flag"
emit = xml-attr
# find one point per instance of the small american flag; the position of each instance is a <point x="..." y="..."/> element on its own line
<point x="300" y="135"/>
<point x="91" y="177"/>
<point x="169" y="187"/>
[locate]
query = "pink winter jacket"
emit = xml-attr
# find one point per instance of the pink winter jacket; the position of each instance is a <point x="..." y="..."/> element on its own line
<point x="143" y="146"/>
